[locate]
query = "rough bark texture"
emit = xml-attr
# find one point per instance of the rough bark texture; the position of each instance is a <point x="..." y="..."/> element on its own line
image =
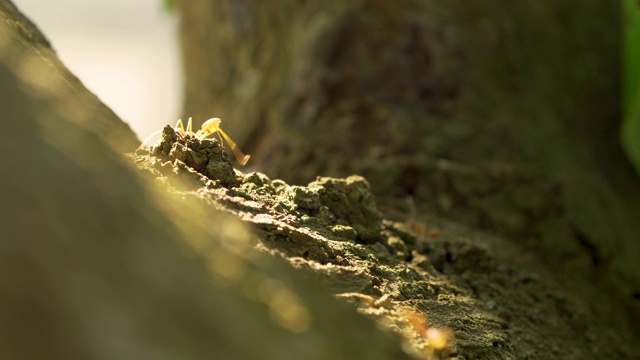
<point x="498" y="115"/>
<point x="99" y="264"/>
<point x="485" y="297"/>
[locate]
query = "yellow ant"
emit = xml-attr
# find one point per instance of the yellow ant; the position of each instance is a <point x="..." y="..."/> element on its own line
<point x="209" y="127"/>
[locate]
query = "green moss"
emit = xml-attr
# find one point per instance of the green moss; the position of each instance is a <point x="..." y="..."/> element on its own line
<point x="351" y="201"/>
<point x="300" y="197"/>
<point x="205" y="157"/>
<point x="483" y="288"/>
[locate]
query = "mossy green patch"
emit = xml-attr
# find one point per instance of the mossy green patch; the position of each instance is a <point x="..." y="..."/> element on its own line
<point x="206" y="157"/>
<point x="496" y="301"/>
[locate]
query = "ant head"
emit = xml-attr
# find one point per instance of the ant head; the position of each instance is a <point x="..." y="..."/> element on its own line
<point x="212" y="125"/>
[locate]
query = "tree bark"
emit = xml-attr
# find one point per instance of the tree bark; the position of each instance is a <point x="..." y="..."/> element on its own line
<point x="99" y="263"/>
<point x="502" y="115"/>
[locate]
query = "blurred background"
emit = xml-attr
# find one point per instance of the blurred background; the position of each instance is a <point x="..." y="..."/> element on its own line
<point x="126" y="52"/>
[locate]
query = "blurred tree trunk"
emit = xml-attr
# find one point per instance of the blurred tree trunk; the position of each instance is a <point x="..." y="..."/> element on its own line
<point x="500" y="114"/>
<point x="98" y="263"/>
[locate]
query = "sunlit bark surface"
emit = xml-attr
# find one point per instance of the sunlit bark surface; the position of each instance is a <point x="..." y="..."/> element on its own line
<point x="502" y="115"/>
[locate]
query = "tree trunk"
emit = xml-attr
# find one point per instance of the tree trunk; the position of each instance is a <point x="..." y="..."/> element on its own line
<point x="500" y="115"/>
<point x="99" y="263"/>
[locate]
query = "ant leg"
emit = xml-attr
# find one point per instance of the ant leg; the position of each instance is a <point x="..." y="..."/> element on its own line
<point x="213" y="125"/>
<point x="144" y="143"/>
<point x="240" y="156"/>
<point x="190" y="126"/>
<point x="179" y="128"/>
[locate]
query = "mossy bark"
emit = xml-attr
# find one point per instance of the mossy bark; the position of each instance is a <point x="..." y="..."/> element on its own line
<point x="485" y="296"/>
<point x="99" y="263"/>
<point x="503" y="115"/>
<point x="500" y="115"/>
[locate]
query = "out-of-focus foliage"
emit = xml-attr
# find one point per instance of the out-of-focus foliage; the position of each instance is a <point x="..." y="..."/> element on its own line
<point x="631" y="81"/>
<point x="169" y="5"/>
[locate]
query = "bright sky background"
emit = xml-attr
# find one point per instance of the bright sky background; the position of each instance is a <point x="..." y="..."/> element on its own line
<point x="125" y="51"/>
